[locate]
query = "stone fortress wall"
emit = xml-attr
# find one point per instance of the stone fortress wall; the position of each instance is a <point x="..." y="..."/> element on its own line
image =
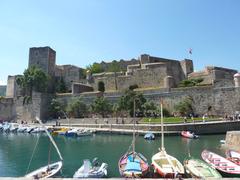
<point x="156" y="78"/>
<point x="148" y="72"/>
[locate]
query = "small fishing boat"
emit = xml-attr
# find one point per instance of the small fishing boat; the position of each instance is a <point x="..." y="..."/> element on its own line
<point x="233" y="156"/>
<point x="13" y="127"/>
<point x="189" y="134"/>
<point x="60" y="131"/>
<point x="81" y="133"/>
<point x="223" y="165"/>
<point x="6" y="126"/>
<point x="91" y="170"/>
<point x="163" y="164"/>
<point x="149" y="136"/>
<point x="133" y="164"/>
<point x="50" y="169"/>
<point x="38" y="130"/>
<point x="72" y="132"/>
<point x="199" y="169"/>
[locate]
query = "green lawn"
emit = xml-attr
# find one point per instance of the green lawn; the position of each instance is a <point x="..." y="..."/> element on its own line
<point x="174" y="120"/>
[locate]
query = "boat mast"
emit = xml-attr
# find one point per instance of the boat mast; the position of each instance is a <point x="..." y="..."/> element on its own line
<point x="51" y="139"/>
<point x="162" y="134"/>
<point x="133" y="126"/>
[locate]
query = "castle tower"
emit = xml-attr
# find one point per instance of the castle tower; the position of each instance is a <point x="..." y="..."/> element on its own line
<point x="237" y="79"/>
<point x="43" y="58"/>
<point x="187" y="66"/>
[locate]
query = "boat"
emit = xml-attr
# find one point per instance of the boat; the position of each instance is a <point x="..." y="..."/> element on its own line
<point x="91" y="170"/>
<point x="50" y="169"/>
<point x="233" y="156"/>
<point x="6" y="127"/>
<point x="71" y="132"/>
<point x="189" y="134"/>
<point x="149" y="136"/>
<point x="163" y="164"/>
<point x="223" y="165"/>
<point x="133" y="164"/>
<point x="60" y="131"/>
<point x="13" y="127"/>
<point x="84" y="132"/>
<point x="199" y="169"/>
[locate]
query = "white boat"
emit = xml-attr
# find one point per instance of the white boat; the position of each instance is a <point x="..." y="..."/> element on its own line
<point x="84" y="133"/>
<point x="38" y="130"/>
<point x="50" y="169"/>
<point x="22" y="128"/>
<point x="6" y="126"/>
<point x="223" y="165"/>
<point x="91" y="170"/>
<point x="13" y="127"/>
<point x="165" y="165"/>
<point x="233" y="156"/>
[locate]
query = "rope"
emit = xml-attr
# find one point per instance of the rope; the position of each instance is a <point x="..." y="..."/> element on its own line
<point x="32" y="155"/>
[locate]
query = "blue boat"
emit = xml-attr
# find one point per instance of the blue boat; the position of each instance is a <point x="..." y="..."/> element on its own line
<point x="149" y="136"/>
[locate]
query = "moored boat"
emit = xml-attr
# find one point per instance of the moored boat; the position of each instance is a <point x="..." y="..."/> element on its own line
<point x="165" y="165"/>
<point x="91" y="170"/>
<point x="149" y="136"/>
<point x="189" y="134"/>
<point x="223" y="165"/>
<point x="133" y="164"/>
<point x="199" y="169"/>
<point x="50" y="169"/>
<point x="233" y="156"/>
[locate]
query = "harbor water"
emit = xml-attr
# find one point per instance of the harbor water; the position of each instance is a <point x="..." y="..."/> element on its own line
<point x="22" y="153"/>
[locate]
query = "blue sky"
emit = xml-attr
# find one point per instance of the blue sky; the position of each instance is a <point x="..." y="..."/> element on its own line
<point x="87" y="31"/>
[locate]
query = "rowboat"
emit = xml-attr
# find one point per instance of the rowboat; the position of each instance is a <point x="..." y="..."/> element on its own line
<point x="133" y="164"/>
<point x="199" y="169"/>
<point x="50" y="169"/>
<point x="223" y="165"/>
<point x="165" y="165"/>
<point x="233" y="156"/>
<point x="188" y="134"/>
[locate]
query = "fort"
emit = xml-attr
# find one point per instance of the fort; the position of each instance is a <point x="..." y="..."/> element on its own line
<point x="157" y="78"/>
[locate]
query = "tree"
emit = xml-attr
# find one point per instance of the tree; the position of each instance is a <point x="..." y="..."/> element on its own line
<point x="33" y="79"/>
<point x="114" y="67"/>
<point x="101" y="106"/>
<point x="56" y="108"/>
<point x="95" y="68"/>
<point x="61" y="86"/>
<point x="101" y="86"/>
<point x="185" y="107"/>
<point x="127" y="100"/>
<point x="190" y="82"/>
<point x="77" y="108"/>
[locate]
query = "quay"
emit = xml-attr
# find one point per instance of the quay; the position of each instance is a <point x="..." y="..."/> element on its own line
<point x="201" y="128"/>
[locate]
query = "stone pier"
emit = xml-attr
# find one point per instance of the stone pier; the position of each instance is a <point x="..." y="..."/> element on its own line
<point x="232" y="140"/>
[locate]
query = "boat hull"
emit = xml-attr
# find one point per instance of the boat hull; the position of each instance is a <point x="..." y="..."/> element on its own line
<point x="223" y="165"/>
<point x="130" y="167"/>
<point x="167" y="166"/>
<point x="199" y="169"/>
<point x="46" y="171"/>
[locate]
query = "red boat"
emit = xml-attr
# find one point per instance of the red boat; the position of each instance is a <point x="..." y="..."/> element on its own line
<point x="233" y="156"/>
<point x="223" y="165"/>
<point x="188" y="134"/>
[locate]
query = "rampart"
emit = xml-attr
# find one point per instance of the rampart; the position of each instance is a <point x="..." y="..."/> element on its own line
<point x="218" y="101"/>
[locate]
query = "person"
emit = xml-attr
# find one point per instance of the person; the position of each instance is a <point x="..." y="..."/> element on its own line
<point x="203" y="118"/>
<point x="185" y="119"/>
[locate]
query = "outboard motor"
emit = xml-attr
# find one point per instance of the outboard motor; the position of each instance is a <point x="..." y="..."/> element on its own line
<point x="95" y="162"/>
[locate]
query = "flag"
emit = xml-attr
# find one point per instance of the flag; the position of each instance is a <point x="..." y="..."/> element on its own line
<point x="190" y="51"/>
